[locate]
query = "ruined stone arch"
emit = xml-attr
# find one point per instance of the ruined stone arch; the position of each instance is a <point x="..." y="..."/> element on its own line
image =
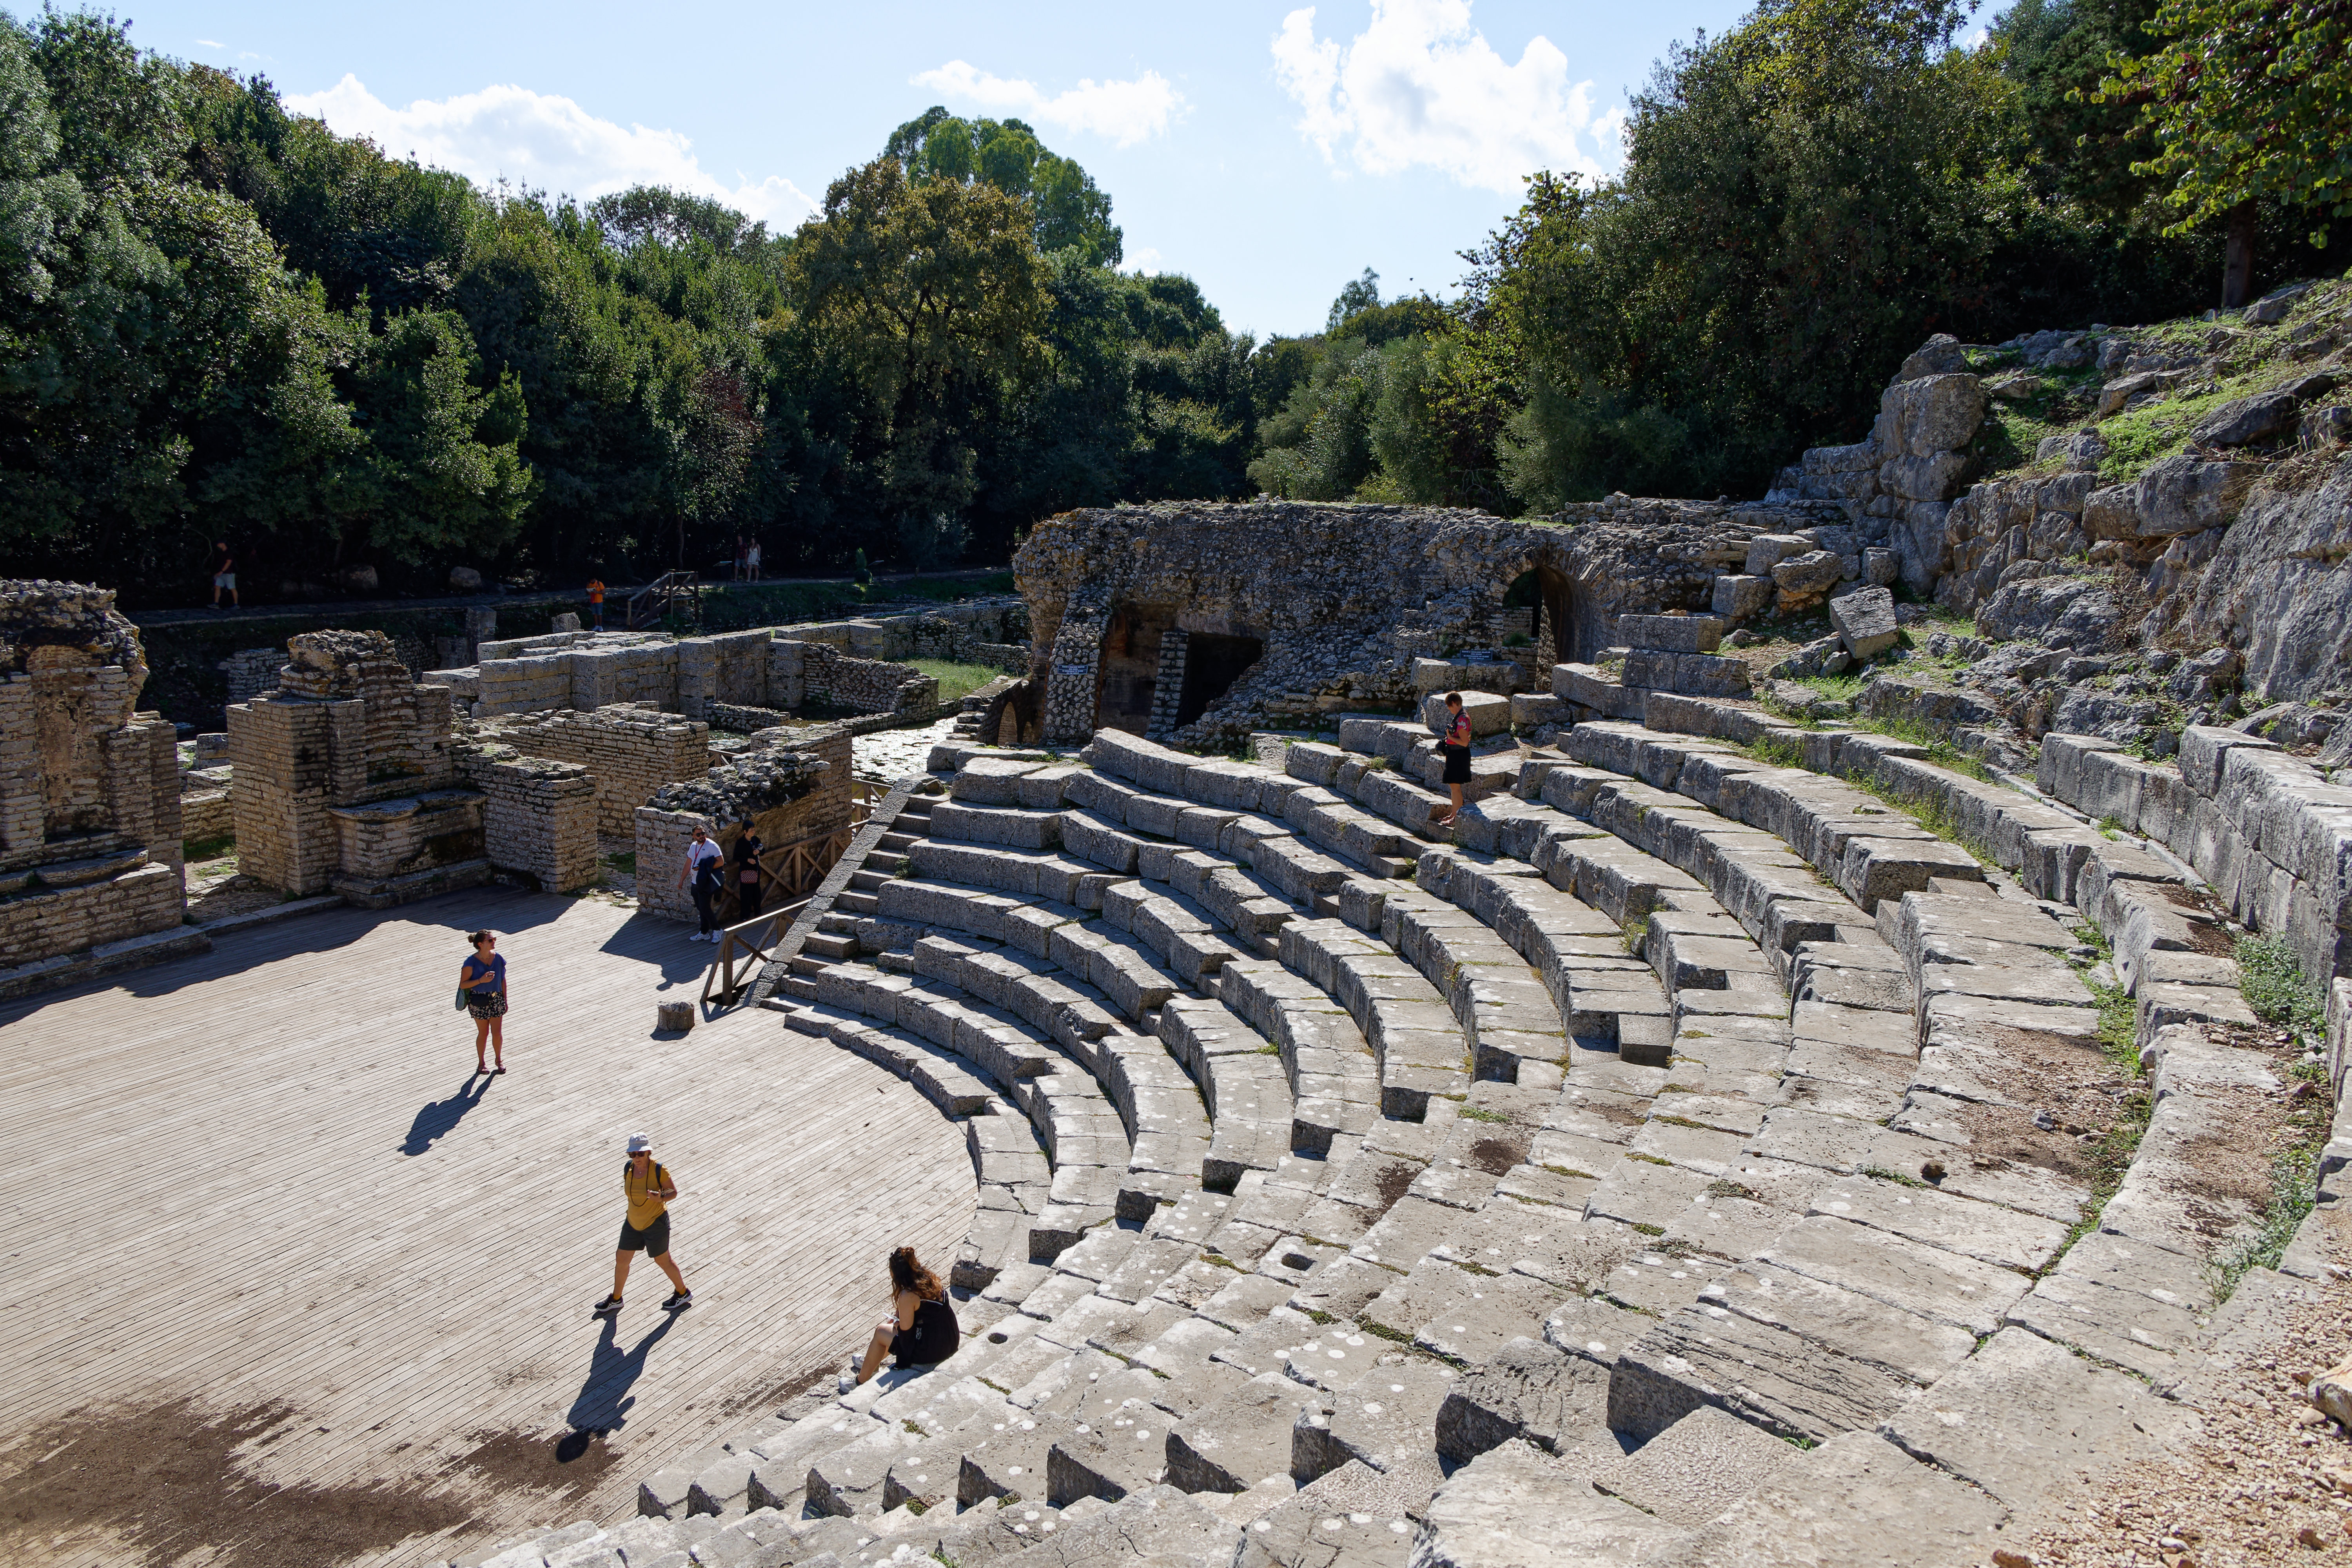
<point x="1566" y="619"/>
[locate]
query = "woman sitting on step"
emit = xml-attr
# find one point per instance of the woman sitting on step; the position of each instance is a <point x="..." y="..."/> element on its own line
<point x="922" y="1330"/>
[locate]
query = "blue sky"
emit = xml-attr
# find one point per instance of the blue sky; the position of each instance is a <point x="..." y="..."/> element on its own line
<point x="1269" y="150"/>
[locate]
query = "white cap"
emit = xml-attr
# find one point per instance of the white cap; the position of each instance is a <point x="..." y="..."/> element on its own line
<point x="639" y="1143"/>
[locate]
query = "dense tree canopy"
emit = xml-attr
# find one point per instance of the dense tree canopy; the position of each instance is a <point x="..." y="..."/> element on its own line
<point x="1803" y="200"/>
<point x="219" y="321"/>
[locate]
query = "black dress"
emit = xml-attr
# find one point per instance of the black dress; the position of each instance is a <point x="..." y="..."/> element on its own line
<point x="1457" y="757"/>
<point x="932" y="1339"/>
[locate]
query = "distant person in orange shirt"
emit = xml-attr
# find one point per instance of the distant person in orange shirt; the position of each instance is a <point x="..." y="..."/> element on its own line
<point x="596" y="601"/>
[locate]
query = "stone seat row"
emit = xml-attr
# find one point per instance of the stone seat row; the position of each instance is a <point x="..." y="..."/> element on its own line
<point x="1989" y="977"/>
<point x="1519" y="1305"/>
<point x="1354" y="958"/>
<point x="1959" y="952"/>
<point x="1424" y="1263"/>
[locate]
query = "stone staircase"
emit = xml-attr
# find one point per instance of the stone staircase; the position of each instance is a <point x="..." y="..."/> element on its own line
<point x="1654" y="1167"/>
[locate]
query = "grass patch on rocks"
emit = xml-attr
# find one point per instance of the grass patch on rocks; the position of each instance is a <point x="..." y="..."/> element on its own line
<point x="2277" y="989"/>
<point x="2110" y="1156"/>
<point x="957" y="681"/>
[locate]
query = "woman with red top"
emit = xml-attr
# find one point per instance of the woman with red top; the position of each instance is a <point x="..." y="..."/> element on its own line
<point x="1454" y="742"/>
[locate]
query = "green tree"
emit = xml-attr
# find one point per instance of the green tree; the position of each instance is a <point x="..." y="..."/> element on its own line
<point x="2250" y="103"/>
<point x="1070" y="211"/>
<point x="928" y="298"/>
<point x="443" y="474"/>
<point x="1802" y="200"/>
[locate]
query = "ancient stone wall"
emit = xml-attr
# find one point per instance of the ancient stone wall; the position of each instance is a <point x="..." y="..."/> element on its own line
<point x="344" y="777"/>
<point x="251" y="671"/>
<point x="393" y="851"/>
<point x="857" y="665"/>
<point x="1343" y="598"/>
<point x="205" y="816"/>
<point x="630" y="752"/>
<point x="89" y="788"/>
<point x="800" y="789"/>
<point x="804" y="673"/>
<point x="539" y="816"/>
<point x="2266" y="829"/>
<point x="731" y="668"/>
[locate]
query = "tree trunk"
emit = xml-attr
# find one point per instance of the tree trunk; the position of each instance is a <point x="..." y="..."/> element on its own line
<point x="2238" y="261"/>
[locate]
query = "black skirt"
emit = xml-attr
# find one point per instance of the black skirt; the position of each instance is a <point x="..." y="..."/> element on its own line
<point x="932" y="1339"/>
<point x="1457" y="764"/>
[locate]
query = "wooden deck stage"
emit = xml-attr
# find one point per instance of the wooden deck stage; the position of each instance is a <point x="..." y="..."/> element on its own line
<point x="259" y="1175"/>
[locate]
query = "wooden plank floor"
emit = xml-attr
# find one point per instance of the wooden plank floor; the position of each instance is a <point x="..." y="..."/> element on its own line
<point x="261" y="1176"/>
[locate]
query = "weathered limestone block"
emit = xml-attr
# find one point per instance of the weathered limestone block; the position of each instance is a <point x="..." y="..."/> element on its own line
<point x="1929" y="416"/>
<point x="1671" y="634"/>
<point x="1864" y="621"/>
<point x="2181" y="494"/>
<point x="1737" y="595"/>
<point x="1766" y="551"/>
<point x="1813" y="573"/>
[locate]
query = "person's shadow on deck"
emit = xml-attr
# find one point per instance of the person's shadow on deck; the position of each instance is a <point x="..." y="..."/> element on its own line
<point x="604" y="1398"/>
<point x="441" y="1116"/>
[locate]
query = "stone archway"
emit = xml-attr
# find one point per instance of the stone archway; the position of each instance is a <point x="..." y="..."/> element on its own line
<point x="1557" y="633"/>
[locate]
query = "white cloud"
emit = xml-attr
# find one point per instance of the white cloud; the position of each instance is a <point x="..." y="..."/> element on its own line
<point x="1125" y="111"/>
<point x="210" y="44"/>
<point x="1143" y="260"/>
<point x="543" y="140"/>
<point x="1421" y="87"/>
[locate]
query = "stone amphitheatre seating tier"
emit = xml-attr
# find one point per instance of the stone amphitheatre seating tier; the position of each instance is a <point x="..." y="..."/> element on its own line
<point x="1319" y="1157"/>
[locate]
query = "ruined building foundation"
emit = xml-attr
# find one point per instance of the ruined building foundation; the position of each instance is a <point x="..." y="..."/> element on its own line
<point x="89" y="804"/>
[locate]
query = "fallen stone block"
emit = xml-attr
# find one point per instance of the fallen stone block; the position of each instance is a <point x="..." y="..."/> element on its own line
<point x="1865" y="622"/>
<point x="1513" y="1507"/>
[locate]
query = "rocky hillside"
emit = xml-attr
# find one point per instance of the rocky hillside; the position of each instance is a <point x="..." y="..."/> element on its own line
<point x="2147" y="530"/>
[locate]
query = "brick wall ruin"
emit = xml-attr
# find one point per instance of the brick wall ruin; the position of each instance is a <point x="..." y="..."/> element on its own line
<point x="801" y="788"/>
<point x="804" y="674"/>
<point x="251" y="671"/>
<point x="848" y="666"/>
<point x="344" y="777"/>
<point x="348" y="777"/>
<point x="540" y="815"/>
<point x="630" y="752"/>
<point x="89" y="794"/>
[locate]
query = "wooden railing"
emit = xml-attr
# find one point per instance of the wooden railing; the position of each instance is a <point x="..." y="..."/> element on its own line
<point x="746" y="945"/>
<point x="791" y="871"/>
<point x="652" y="602"/>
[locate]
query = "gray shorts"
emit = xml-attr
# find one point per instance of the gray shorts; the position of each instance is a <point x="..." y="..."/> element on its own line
<point x="225" y="580"/>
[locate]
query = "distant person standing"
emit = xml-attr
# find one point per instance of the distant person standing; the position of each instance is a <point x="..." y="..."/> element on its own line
<point x="751" y="560"/>
<point x="739" y="558"/>
<point x="704" y="867"/>
<point x="748" y="886"/>
<point x="1454" y="742"/>
<point x="596" y="602"/>
<point x="483" y="979"/>
<point x="649" y="1188"/>
<point x="224" y="574"/>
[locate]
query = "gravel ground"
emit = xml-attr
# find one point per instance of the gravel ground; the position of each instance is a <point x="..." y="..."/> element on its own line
<point x="2266" y="1479"/>
<point x="892" y="755"/>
